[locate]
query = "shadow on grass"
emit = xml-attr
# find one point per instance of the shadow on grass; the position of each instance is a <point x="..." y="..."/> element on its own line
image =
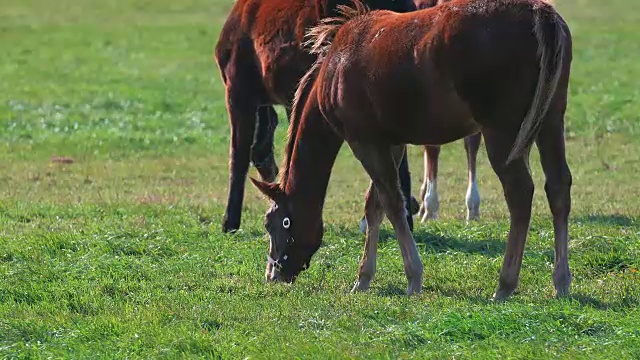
<point x="443" y="244"/>
<point x="590" y="301"/>
<point x="393" y="290"/>
<point x="433" y="243"/>
<point x="617" y="220"/>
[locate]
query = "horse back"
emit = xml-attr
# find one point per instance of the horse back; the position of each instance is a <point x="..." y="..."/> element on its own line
<point x="410" y="78"/>
<point x="261" y="39"/>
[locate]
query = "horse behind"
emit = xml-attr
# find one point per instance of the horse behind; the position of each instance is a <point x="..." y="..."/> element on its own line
<point x="261" y="60"/>
<point x="432" y="76"/>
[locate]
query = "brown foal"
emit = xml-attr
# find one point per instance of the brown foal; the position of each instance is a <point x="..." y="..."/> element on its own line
<point x="385" y="79"/>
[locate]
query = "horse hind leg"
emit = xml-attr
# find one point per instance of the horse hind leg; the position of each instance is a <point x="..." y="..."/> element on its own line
<point x="429" y="188"/>
<point x="381" y="163"/>
<point x="472" y="197"/>
<point x="405" y="186"/>
<point x="373" y="216"/>
<point x="262" y="155"/>
<point x="411" y="203"/>
<point x="518" y="188"/>
<point x="551" y="147"/>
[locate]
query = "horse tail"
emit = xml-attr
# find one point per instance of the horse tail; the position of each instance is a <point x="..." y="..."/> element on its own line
<point x="320" y="37"/>
<point x="549" y="32"/>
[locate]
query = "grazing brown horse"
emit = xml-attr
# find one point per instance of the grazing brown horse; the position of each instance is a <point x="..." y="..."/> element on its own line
<point x="427" y="77"/>
<point x="261" y="60"/>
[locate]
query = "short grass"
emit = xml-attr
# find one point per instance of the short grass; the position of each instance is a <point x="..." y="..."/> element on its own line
<point x="119" y="254"/>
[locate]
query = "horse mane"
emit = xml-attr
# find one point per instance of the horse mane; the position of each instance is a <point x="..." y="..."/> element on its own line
<point x="302" y="93"/>
<point x="320" y="37"/>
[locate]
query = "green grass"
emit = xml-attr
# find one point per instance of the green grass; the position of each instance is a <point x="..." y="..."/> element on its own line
<point x="120" y="253"/>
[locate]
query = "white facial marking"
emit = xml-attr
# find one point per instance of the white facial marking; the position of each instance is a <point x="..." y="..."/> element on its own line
<point x="286" y="223"/>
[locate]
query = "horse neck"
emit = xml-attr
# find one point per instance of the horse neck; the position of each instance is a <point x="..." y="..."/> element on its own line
<point x="314" y="153"/>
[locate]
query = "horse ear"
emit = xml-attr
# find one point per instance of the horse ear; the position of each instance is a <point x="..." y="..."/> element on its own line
<point x="271" y="190"/>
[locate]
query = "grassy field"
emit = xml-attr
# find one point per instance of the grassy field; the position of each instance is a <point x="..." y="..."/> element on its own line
<point x="120" y="254"/>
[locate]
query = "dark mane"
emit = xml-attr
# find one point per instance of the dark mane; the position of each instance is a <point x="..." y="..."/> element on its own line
<point x="318" y="41"/>
<point x="299" y="99"/>
<point x="319" y="37"/>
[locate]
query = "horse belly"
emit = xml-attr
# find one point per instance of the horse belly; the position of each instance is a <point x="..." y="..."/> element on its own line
<point x="438" y="128"/>
<point x="440" y="117"/>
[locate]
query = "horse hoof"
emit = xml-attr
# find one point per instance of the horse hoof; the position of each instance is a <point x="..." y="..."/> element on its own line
<point x="473" y="215"/>
<point x="229" y="228"/>
<point x="360" y="286"/>
<point x="502" y="294"/>
<point x="415" y="287"/>
<point x="562" y="291"/>
<point x="562" y="281"/>
<point x="429" y="216"/>
<point x="414" y="290"/>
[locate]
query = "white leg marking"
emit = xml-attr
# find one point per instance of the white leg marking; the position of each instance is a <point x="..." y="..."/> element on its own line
<point x="431" y="201"/>
<point x="473" y="200"/>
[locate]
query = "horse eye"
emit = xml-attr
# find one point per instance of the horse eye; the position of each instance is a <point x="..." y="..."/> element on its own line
<point x="286" y="223"/>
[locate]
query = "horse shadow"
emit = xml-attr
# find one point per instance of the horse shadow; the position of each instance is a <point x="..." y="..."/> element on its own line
<point x="436" y="243"/>
<point x="476" y="297"/>
<point x="613" y="220"/>
<point x="430" y="242"/>
<point x="589" y="301"/>
<point x="394" y="290"/>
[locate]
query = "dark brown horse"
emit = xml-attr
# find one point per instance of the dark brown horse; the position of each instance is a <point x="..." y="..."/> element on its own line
<point x="261" y="60"/>
<point x="427" y="77"/>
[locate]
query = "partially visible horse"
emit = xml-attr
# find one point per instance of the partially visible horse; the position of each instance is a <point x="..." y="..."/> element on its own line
<point x="261" y="60"/>
<point x="432" y="76"/>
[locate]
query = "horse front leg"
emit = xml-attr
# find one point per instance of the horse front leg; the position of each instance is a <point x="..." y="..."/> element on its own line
<point x="242" y="119"/>
<point x="381" y="163"/>
<point x="373" y="216"/>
